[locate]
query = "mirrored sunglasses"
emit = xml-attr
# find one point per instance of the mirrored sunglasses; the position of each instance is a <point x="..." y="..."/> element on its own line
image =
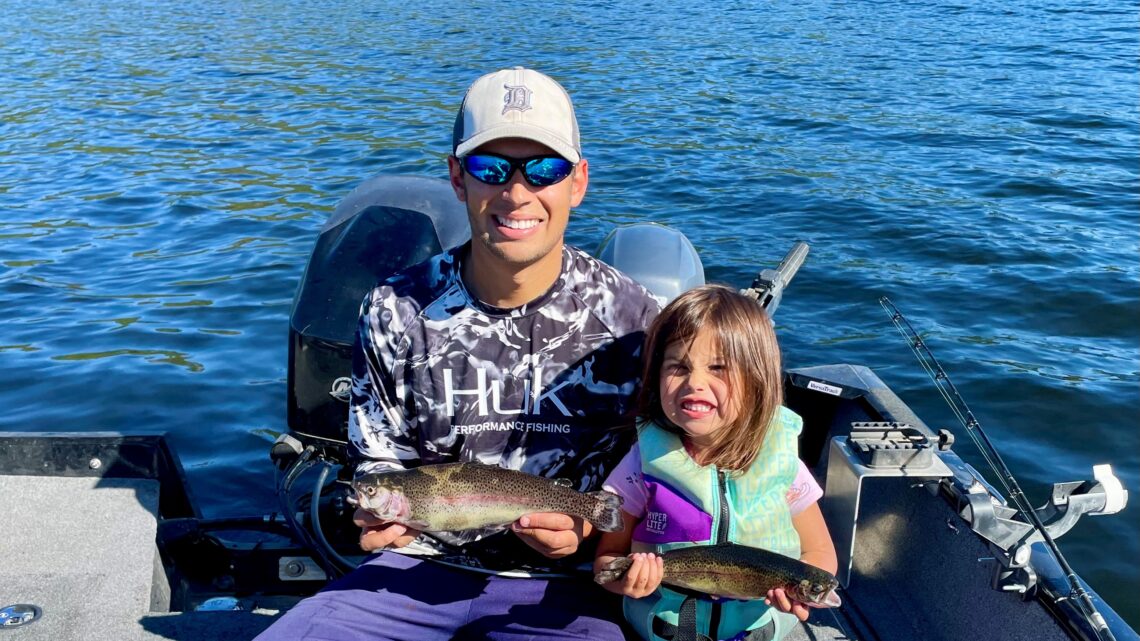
<point x="539" y="171"/>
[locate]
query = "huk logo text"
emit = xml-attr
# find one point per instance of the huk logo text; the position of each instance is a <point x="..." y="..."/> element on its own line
<point x="488" y="395"/>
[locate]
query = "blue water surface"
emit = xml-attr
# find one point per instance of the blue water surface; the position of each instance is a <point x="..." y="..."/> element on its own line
<point x="165" y="167"/>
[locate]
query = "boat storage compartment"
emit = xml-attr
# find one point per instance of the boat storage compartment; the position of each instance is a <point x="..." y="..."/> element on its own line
<point x="871" y="450"/>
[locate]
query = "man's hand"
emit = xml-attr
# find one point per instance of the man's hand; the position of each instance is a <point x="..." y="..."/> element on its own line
<point x="779" y="599"/>
<point x="376" y="534"/>
<point x="554" y="535"/>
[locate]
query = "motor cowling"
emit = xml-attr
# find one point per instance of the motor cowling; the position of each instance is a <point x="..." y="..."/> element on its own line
<point x="660" y="258"/>
<point x="386" y="224"/>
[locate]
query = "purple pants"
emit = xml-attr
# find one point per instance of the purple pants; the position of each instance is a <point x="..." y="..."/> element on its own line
<point x="396" y="597"/>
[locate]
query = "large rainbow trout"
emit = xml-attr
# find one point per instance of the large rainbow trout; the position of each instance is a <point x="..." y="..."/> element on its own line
<point x="737" y="572"/>
<point x="466" y="496"/>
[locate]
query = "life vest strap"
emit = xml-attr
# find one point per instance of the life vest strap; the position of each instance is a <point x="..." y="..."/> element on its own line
<point x="686" y="628"/>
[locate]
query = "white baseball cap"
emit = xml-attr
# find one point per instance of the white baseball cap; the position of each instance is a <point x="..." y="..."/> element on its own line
<point x="517" y="103"/>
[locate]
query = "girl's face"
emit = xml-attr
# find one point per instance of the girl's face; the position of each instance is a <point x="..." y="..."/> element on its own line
<point x="696" y="388"/>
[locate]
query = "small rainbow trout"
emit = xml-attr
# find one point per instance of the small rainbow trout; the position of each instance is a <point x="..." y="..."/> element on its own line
<point x="466" y="496"/>
<point x="737" y="571"/>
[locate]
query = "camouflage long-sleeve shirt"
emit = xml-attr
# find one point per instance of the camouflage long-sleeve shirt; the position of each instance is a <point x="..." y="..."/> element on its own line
<point x="439" y="376"/>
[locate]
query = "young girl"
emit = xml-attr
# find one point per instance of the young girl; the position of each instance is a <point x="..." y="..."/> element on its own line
<point x="716" y="460"/>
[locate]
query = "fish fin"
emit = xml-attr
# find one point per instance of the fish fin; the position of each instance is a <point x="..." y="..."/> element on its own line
<point x="607" y="511"/>
<point x="416" y="525"/>
<point x="613" y="571"/>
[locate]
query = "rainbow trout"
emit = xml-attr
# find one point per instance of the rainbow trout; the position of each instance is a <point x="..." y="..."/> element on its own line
<point x="737" y="572"/>
<point x="466" y="496"/>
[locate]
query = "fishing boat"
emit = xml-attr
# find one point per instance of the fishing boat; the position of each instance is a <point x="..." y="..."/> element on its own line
<point x="103" y="539"/>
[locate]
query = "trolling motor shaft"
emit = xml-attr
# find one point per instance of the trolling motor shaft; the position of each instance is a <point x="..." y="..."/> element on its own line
<point x="768" y="286"/>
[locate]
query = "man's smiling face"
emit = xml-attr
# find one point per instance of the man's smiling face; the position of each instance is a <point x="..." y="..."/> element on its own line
<point x="518" y="223"/>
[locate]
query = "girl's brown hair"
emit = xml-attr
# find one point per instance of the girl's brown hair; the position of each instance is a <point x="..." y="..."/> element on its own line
<point x="742" y="330"/>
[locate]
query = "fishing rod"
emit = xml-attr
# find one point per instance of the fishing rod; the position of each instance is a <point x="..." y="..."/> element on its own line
<point x="974" y="428"/>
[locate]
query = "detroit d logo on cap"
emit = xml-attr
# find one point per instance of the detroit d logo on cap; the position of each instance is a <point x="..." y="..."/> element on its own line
<point x="516" y="98"/>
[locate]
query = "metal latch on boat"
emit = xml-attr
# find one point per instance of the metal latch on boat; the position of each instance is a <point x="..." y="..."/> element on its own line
<point x="891" y="445"/>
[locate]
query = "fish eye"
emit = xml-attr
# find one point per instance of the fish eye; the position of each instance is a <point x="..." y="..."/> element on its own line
<point x="370" y="491"/>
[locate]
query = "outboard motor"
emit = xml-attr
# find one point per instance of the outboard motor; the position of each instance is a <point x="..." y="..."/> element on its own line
<point x="660" y="258"/>
<point x="384" y="225"/>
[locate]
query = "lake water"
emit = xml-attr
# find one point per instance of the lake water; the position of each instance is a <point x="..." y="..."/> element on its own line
<point x="165" y="166"/>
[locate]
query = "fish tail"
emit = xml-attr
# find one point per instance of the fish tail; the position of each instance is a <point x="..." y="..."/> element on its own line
<point x="607" y="511"/>
<point x="613" y="571"/>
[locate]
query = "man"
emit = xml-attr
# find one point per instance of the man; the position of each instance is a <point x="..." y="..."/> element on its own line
<point x="513" y="350"/>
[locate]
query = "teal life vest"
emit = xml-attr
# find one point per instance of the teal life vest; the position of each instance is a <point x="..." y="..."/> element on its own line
<point x="691" y="504"/>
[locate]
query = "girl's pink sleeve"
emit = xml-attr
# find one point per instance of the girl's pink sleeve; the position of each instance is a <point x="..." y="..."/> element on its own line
<point x="626" y="481"/>
<point x="804" y="491"/>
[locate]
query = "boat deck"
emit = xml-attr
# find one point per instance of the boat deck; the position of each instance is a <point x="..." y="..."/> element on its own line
<point x="83" y="550"/>
<point x="824" y="625"/>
